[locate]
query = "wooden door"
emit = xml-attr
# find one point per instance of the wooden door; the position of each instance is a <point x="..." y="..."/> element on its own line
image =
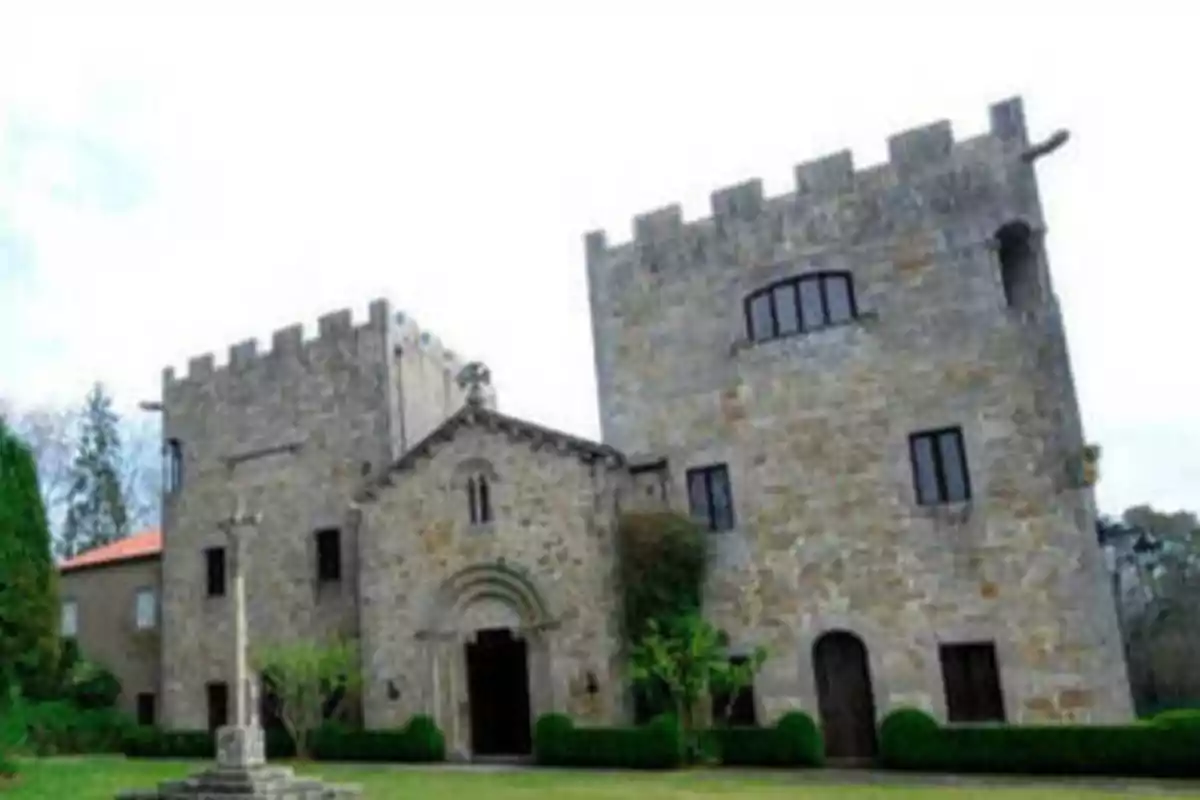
<point x="844" y="696"/>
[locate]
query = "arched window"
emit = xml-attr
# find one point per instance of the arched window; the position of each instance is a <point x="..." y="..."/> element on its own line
<point x="1018" y="265"/>
<point x="172" y="466"/>
<point x="800" y="304"/>
<point x="479" y="499"/>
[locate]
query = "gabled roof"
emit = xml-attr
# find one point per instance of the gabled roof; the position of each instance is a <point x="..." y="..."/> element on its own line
<point x="476" y="415"/>
<point x="140" y="545"/>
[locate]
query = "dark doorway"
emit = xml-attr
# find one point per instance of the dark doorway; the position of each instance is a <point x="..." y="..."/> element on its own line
<point x="498" y="687"/>
<point x="844" y="696"/>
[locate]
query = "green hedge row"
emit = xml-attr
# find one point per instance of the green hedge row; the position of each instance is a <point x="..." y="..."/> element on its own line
<point x="1168" y="746"/>
<point x="794" y="741"/>
<point x="558" y="743"/>
<point x="418" y="741"/>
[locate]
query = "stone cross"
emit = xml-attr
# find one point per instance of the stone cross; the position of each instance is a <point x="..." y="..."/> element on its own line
<point x="474" y="377"/>
<point x="232" y="526"/>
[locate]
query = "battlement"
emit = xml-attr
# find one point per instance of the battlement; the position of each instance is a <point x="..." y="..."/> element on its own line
<point x="336" y="329"/>
<point x="911" y="154"/>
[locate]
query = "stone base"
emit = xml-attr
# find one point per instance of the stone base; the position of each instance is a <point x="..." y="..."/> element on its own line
<point x="250" y="783"/>
<point x="241" y="747"/>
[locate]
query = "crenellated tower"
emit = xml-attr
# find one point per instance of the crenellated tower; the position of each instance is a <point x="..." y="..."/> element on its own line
<point x="871" y="370"/>
<point x="293" y="431"/>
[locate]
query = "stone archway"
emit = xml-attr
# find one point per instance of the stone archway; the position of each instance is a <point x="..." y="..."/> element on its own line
<point x="488" y="638"/>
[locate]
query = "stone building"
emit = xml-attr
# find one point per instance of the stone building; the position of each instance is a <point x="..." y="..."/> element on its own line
<point x="861" y="388"/>
<point x="110" y="598"/>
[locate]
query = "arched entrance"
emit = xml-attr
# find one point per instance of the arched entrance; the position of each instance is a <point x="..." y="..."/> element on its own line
<point x="844" y="696"/>
<point x="489" y="656"/>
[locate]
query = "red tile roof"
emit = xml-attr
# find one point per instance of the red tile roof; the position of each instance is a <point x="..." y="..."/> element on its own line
<point x="139" y="545"/>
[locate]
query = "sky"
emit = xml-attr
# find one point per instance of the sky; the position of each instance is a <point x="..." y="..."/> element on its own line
<point x="173" y="183"/>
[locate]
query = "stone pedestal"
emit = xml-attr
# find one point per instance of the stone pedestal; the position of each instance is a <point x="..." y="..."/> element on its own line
<point x="242" y="773"/>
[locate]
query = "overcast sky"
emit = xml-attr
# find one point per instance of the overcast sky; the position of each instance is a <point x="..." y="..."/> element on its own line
<point x="172" y="185"/>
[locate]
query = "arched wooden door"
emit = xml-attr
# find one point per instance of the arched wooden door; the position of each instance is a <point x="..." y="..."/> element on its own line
<point x="844" y="695"/>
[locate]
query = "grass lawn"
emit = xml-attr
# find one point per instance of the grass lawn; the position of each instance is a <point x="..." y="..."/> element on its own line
<point x="101" y="778"/>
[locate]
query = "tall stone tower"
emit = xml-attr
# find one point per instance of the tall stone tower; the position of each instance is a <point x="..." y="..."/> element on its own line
<point x="292" y="433"/>
<point x="875" y="367"/>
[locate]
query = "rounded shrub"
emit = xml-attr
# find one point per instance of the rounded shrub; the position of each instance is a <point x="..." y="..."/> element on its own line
<point x="425" y="739"/>
<point x="800" y="739"/>
<point x="906" y="736"/>
<point x="551" y="733"/>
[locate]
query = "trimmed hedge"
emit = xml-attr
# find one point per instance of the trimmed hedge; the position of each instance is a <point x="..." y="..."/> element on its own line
<point x="419" y="741"/>
<point x="558" y="743"/>
<point x="912" y="740"/>
<point x="61" y="728"/>
<point x="793" y="741"/>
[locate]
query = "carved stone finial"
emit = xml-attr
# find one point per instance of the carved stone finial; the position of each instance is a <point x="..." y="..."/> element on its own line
<point x="474" y="377"/>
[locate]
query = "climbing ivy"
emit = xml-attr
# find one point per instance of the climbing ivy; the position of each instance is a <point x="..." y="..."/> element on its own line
<point x="663" y="560"/>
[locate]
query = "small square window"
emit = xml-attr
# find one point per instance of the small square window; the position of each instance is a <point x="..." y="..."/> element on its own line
<point x="939" y="464"/>
<point x="145" y="708"/>
<point x="145" y="609"/>
<point x="329" y="555"/>
<point x="710" y="497"/>
<point x="214" y="563"/>
<point x="69" y="624"/>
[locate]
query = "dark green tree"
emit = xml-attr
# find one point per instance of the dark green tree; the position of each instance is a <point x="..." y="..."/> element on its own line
<point x="28" y="581"/>
<point x="96" y="511"/>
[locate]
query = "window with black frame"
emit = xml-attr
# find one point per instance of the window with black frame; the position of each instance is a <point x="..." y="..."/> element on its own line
<point x="800" y="304"/>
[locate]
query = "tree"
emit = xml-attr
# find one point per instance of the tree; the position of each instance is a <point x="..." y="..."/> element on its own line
<point x="689" y="658"/>
<point x="96" y="510"/>
<point x="310" y="682"/>
<point x="28" y="581"/>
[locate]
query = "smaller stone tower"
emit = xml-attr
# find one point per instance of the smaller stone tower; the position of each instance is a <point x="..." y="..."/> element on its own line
<point x="292" y="432"/>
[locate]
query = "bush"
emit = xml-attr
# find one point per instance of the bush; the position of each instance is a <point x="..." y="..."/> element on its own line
<point x="61" y="728"/>
<point x="146" y="741"/>
<point x="420" y="741"/>
<point x="659" y="745"/>
<point x="913" y="740"/>
<point x="793" y="741"/>
<point x="1179" y="718"/>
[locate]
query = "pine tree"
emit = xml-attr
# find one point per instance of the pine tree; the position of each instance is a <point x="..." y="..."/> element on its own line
<point x="28" y="581"/>
<point x="96" y="512"/>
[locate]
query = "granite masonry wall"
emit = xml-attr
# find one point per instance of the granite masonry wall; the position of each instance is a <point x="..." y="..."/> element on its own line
<point x="544" y="568"/>
<point x="814" y="428"/>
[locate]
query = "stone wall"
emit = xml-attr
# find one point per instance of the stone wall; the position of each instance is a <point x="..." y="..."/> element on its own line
<point x="107" y="632"/>
<point x="814" y="428"/>
<point x="545" y="566"/>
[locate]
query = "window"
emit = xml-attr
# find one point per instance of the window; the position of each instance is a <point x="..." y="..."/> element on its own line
<point x="145" y="708"/>
<point x="710" y="497"/>
<point x="70" y="619"/>
<point x="479" y="499"/>
<point x="740" y="712"/>
<point x="939" y="464"/>
<point x="145" y="609"/>
<point x="214" y="562"/>
<point x="972" y="682"/>
<point x="1018" y="265"/>
<point x="172" y="466"/>
<point x="329" y="555"/>
<point x="218" y="705"/>
<point x="805" y="303"/>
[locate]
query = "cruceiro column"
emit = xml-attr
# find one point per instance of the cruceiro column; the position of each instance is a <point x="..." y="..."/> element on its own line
<point x="241" y="743"/>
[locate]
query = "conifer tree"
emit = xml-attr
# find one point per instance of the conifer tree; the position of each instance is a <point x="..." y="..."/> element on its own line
<point x="28" y="581"/>
<point x="96" y="512"/>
